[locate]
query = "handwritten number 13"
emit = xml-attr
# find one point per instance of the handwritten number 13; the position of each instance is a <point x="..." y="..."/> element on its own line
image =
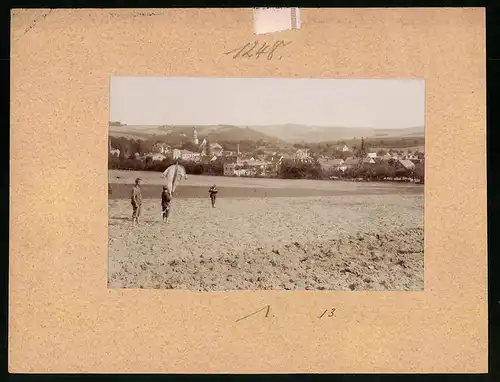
<point x="331" y="313"/>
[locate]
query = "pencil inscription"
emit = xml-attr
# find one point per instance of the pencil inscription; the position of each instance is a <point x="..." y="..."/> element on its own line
<point x="136" y="14"/>
<point x="266" y="308"/>
<point x="256" y="50"/>
<point x="37" y="20"/>
<point x="331" y="313"/>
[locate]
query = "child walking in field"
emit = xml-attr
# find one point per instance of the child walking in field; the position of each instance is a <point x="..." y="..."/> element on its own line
<point x="166" y="199"/>
<point x="213" y="194"/>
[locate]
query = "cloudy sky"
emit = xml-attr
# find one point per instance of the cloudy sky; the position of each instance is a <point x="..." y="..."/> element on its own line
<point x="377" y="103"/>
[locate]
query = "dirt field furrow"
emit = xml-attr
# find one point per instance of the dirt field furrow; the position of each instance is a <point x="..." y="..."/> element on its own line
<point x="350" y="242"/>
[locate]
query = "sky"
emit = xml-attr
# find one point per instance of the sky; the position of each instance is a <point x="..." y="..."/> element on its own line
<point x="375" y="103"/>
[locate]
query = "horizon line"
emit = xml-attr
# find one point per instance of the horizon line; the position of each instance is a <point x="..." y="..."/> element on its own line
<point x="281" y="124"/>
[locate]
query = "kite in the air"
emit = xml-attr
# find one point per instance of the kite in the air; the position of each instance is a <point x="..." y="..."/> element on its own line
<point x="173" y="175"/>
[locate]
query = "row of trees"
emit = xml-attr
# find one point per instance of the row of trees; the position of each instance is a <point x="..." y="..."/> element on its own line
<point x="381" y="172"/>
<point x="371" y="172"/>
<point x="211" y="168"/>
<point x="360" y="147"/>
<point x="129" y="147"/>
<point x="117" y="123"/>
<point x="300" y="170"/>
<point x="386" y="142"/>
<point x="331" y="149"/>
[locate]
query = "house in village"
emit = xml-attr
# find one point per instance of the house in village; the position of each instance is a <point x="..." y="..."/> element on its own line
<point x="396" y="156"/>
<point x="285" y="157"/>
<point x="416" y="161"/>
<point x="344" y="148"/>
<point x="271" y="155"/>
<point x="203" y="146"/>
<point x="299" y="156"/>
<point x="350" y="163"/>
<point x="355" y="162"/>
<point x="176" y="154"/>
<point x="229" y="169"/>
<point x="406" y="164"/>
<point x="155" y="157"/>
<point x="273" y="162"/>
<point x="185" y="155"/>
<point x="328" y="165"/>
<point x="302" y="155"/>
<point x="409" y="156"/>
<point x="257" y="163"/>
<point x="216" y="149"/>
<point x="240" y="167"/>
<point x="368" y="161"/>
<point x="195" y="136"/>
<point x="255" y="167"/>
<point x="371" y="155"/>
<point x="161" y="148"/>
<point x="229" y="164"/>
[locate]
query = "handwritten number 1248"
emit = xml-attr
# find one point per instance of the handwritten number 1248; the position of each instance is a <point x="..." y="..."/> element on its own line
<point x="253" y="50"/>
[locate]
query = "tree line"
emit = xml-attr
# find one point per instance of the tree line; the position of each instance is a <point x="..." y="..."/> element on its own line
<point x="380" y="171"/>
<point x="195" y="168"/>
<point x="359" y="147"/>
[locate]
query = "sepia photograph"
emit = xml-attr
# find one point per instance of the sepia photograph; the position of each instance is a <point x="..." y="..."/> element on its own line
<point x="225" y="184"/>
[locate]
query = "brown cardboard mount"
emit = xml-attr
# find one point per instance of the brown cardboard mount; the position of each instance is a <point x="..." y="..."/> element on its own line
<point x="64" y="319"/>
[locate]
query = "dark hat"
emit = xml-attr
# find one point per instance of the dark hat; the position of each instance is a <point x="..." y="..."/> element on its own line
<point x="165" y="187"/>
<point x="137" y="180"/>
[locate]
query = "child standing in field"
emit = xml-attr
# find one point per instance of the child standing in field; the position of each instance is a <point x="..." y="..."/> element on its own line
<point x="213" y="194"/>
<point x="136" y="201"/>
<point x="166" y="199"/>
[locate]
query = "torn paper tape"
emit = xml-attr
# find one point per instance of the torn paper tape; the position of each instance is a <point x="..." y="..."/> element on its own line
<point x="268" y="20"/>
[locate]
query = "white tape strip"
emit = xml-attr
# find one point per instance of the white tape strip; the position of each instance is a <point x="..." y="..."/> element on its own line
<point x="268" y="20"/>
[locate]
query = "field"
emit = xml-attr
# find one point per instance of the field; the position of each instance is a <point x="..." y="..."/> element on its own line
<point x="353" y="236"/>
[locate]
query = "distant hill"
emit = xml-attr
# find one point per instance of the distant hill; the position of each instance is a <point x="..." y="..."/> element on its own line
<point x="276" y="134"/>
<point x="304" y="133"/>
<point x="417" y="131"/>
<point x="213" y="133"/>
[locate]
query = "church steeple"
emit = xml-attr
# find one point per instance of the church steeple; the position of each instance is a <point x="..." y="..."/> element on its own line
<point x="195" y="136"/>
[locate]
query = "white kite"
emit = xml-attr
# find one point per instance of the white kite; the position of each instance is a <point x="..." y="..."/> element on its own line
<point x="173" y="174"/>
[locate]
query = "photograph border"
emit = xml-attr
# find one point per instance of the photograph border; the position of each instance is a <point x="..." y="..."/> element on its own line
<point x="60" y="303"/>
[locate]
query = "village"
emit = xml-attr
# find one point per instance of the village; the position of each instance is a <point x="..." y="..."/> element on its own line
<point x="343" y="162"/>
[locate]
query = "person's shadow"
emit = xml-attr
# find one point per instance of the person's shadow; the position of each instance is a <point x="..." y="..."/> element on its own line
<point x="120" y="218"/>
<point x="114" y="220"/>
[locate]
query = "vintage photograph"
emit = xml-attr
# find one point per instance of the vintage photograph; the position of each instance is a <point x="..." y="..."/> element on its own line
<point x="221" y="184"/>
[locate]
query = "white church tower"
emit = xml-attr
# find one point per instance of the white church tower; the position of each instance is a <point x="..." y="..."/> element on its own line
<point x="195" y="136"/>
